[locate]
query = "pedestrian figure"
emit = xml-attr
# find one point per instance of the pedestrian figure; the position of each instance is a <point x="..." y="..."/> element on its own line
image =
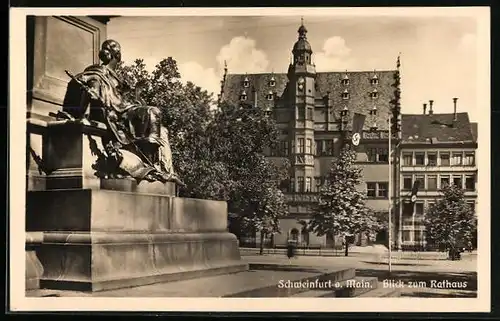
<point x="290" y="249"/>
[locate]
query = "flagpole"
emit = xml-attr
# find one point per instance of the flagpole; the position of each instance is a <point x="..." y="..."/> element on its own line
<point x="390" y="198"/>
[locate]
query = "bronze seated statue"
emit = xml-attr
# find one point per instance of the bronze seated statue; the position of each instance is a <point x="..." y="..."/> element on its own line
<point x="137" y="145"/>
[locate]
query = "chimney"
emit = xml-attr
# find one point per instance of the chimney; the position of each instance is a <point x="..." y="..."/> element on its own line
<point x="425" y="108"/>
<point x="431" y="102"/>
<point x="455" y="109"/>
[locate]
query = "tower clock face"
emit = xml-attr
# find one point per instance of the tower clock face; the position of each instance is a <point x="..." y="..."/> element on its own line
<point x="301" y="83"/>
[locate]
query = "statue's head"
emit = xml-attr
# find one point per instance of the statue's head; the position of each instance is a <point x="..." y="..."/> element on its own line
<point x="110" y="49"/>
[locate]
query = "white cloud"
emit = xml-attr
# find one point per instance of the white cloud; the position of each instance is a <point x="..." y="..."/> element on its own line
<point x="206" y="78"/>
<point x="242" y="55"/>
<point x="334" y="56"/>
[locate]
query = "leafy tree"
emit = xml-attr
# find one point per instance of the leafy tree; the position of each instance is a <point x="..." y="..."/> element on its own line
<point x="341" y="208"/>
<point x="450" y="222"/>
<point x="218" y="154"/>
<point x="245" y="134"/>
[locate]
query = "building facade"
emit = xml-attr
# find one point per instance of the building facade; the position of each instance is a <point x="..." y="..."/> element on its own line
<point x="314" y="111"/>
<point x="437" y="150"/>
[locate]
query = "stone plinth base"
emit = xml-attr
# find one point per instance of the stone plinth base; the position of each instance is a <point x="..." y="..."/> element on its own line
<point x="34" y="269"/>
<point x="103" y="261"/>
<point x="96" y="240"/>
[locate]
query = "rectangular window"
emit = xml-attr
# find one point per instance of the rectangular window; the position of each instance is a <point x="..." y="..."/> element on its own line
<point x="407" y="209"/>
<point x="407" y="236"/>
<point x="383" y="155"/>
<point x="317" y="180"/>
<point x="308" y="184"/>
<point x="382" y="190"/>
<point x="309" y="113"/>
<point x="431" y="159"/>
<point x="285" y="148"/>
<point x="469" y="159"/>
<point x="417" y="234"/>
<point x="456" y="159"/>
<point x="470" y="183"/>
<point x="308" y="146"/>
<point x="329" y="147"/>
<point x="300" y="183"/>
<point x="301" y="146"/>
<point x="302" y="114"/>
<point x="371" y="154"/>
<point x="371" y="189"/>
<point x="419" y="158"/>
<point x="319" y="147"/>
<point x="407" y="159"/>
<point x="284" y="186"/>
<point x="429" y="205"/>
<point x="457" y="181"/>
<point x="273" y="151"/>
<point x="421" y="179"/>
<point x="419" y="209"/>
<point x="432" y="182"/>
<point x="445" y="159"/>
<point x="407" y="182"/>
<point x="445" y="181"/>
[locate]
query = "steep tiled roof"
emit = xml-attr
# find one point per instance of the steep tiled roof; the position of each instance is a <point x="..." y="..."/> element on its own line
<point x="436" y="128"/>
<point x="327" y="83"/>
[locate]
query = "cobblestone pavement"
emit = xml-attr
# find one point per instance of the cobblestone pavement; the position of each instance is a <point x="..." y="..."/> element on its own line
<point x="426" y="278"/>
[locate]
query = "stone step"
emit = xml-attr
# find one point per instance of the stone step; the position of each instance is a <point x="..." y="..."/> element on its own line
<point x="252" y="283"/>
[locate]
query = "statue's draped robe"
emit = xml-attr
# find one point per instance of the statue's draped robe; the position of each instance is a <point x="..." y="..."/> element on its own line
<point x="133" y="124"/>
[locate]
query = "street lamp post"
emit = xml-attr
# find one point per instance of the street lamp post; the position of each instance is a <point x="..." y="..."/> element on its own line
<point x="389" y="190"/>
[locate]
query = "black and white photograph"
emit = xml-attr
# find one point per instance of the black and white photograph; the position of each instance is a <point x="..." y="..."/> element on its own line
<point x="304" y="158"/>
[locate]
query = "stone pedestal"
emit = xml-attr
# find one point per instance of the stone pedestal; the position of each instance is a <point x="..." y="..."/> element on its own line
<point x="98" y="240"/>
<point x="101" y="234"/>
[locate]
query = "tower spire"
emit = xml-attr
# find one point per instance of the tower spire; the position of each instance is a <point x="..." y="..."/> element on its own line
<point x="302" y="29"/>
<point x="222" y="84"/>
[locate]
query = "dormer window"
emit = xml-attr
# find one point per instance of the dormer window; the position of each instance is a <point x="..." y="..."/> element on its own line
<point x="345" y="94"/>
<point x="243" y="96"/>
<point x="345" y="80"/>
<point x="344" y="111"/>
<point x="374" y="80"/>
<point x="246" y="82"/>
<point x="374" y="94"/>
<point x="270" y="95"/>
<point x="272" y="82"/>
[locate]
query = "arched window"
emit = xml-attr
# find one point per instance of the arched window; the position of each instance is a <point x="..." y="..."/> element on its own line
<point x="294" y="234"/>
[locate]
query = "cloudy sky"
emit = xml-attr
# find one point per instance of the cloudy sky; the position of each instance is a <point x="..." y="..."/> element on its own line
<point x="438" y="54"/>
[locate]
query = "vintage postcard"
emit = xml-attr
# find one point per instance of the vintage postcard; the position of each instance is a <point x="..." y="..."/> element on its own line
<point x="250" y="159"/>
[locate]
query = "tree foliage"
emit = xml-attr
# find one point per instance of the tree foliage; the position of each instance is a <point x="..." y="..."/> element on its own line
<point x="450" y="222"/>
<point x="219" y="154"/>
<point x="341" y="209"/>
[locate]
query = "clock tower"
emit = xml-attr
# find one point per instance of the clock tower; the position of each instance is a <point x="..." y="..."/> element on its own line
<point x="301" y="76"/>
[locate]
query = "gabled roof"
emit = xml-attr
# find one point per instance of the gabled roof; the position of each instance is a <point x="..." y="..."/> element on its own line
<point x="436" y="128"/>
<point x="329" y="84"/>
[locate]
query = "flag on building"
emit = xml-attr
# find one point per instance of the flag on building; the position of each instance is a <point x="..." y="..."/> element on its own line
<point x="358" y="122"/>
<point x="414" y="191"/>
